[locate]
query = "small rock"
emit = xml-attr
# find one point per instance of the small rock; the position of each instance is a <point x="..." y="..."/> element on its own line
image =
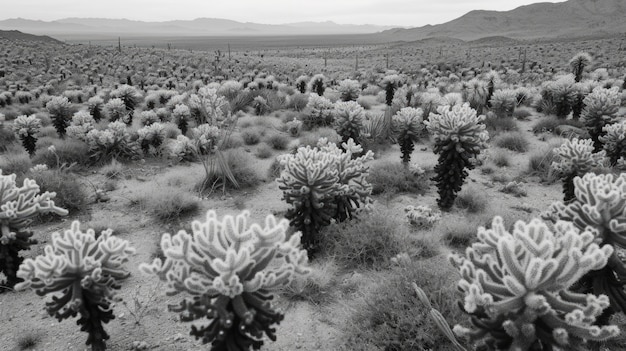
<point x="178" y="337"/>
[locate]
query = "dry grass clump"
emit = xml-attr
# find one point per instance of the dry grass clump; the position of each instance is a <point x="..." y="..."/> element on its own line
<point x="500" y="157"/>
<point x="66" y="152"/>
<point x="168" y="204"/>
<point x="391" y="177"/>
<point x="113" y="170"/>
<point x="318" y="287"/>
<point x="18" y="163"/>
<point x="496" y="125"/>
<point x="239" y="166"/>
<point x="392" y="318"/>
<point x="252" y="135"/>
<point x="514" y="141"/>
<point x="461" y="233"/>
<point x="263" y="151"/>
<point x="472" y="200"/>
<point x="71" y="194"/>
<point x="278" y="141"/>
<point x="539" y="164"/>
<point x="548" y="123"/>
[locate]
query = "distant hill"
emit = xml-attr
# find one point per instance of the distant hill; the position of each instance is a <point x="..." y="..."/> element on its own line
<point x="71" y="27"/>
<point x="573" y="18"/>
<point x="17" y="35"/>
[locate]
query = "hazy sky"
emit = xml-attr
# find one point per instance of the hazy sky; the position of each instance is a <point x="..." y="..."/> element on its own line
<point x="385" y="12"/>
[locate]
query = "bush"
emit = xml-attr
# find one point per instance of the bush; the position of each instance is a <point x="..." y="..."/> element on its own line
<point x="18" y="163"/>
<point x="315" y="288"/>
<point x="169" y="204"/>
<point x="392" y="318"/>
<point x="496" y="125"/>
<point x="240" y="165"/>
<point x="539" y="165"/>
<point x="263" y="151"/>
<point x="459" y="234"/>
<point x="549" y="123"/>
<point x="472" y="200"/>
<point x="251" y="136"/>
<point x="66" y="152"/>
<point x="277" y="141"/>
<point x="312" y="138"/>
<point x="521" y="114"/>
<point x="7" y="137"/>
<point x="368" y="242"/>
<point x="392" y="178"/>
<point x="70" y="193"/>
<point x="233" y="141"/>
<point x="514" y="141"/>
<point x="500" y="158"/>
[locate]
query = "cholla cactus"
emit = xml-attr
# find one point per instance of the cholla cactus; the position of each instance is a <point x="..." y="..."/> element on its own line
<point x="209" y="107"/>
<point x="27" y="128"/>
<point x="430" y="102"/>
<point x="559" y="96"/>
<point x="82" y="272"/>
<point x="578" y="63"/>
<point x="322" y="184"/>
<point x="94" y="105"/>
<point x="184" y="149"/>
<point x="517" y="287"/>
<point x="82" y="123"/>
<point x="492" y="77"/>
<point x="475" y="93"/>
<point x="260" y="105"/>
<point x="148" y="117"/>
<point x="181" y="115"/>
<point x="459" y="137"/>
<point x="294" y="127"/>
<point x="18" y="206"/>
<point x="503" y="102"/>
<point x="151" y="138"/>
<point x="301" y="83"/>
<point x="614" y="141"/>
<point x="600" y="109"/>
<point x="317" y="84"/>
<point x="230" y="269"/>
<point x="130" y="96"/>
<point x="349" y="89"/>
<point x="229" y="89"/>
<point x="576" y="157"/>
<point x="320" y="112"/>
<point x="422" y="216"/>
<point x="206" y="138"/>
<point x="349" y="118"/>
<point x="116" y="110"/>
<point x="59" y="109"/>
<point x="114" y="142"/>
<point x="408" y="127"/>
<point x="600" y="204"/>
<point x="390" y="83"/>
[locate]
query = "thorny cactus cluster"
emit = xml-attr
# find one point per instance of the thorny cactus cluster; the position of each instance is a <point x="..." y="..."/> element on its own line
<point x="27" y="128"/>
<point x="576" y="157"/>
<point x="408" y="127"/>
<point x="323" y="184"/>
<point x="600" y="205"/>
<point x="82" y="273"/>
<point x="60" y="113"/>
<point x="82" y="123"/>
<point x="614" y="141"/>
<point x="151" y="137"/>
<point x="517" y="287"/>
<point x="230" y="269"/>
<point x="18" y="206"/>
<point x="349" y="119"/>
<point x="601" y="106"/>
<point x="113" y="142"/>
<point x="422" y="216"/>
<point x="208" y="107"/>
<point x="320" y="112"/>
<point x="459" y="137"/>
<point x="116" y="110"/>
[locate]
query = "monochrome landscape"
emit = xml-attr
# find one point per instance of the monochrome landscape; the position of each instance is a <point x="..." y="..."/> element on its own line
<point x="299" y="182"/>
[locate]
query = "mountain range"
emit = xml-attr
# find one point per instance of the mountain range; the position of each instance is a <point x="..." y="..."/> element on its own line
<point x="72" y="27"/>
<point x="568" y="19"/>
<point x="573" y="18"/>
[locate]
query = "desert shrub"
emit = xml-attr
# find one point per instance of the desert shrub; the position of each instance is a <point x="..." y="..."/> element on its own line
<point x="251" y="136"/>
<point x="116" y="141"/>
<point x="169" y="204"/>
<point x="238" y="163"/>
<point x="241" y="101"/>
<point x="317" y="287"/>
<point x="475" y="92"/>
<point x="263" y="151"/>
<point x="578" y="63"/>
<point x="277" y="141"/>
<point x="63" y="153"/>
<point x="514" y="141"/>
<point x="522" y="113"/>
<point x="558" y="97"/>
<point x="312" y="138"/>
<point x="298" y="102"/>
<point x="500" y="157"/>
<point x="539" y="164"/>
<point x="113" y="170"/>
<point x="234" y="141"/>
<point x="369" y="242"/>
<point x="18" y="163"/>
<point x="7" y="138"/>
<point x="71" y="194"/>
<point x="549" y="123"/>
<point x="391" y="317"/>
<point x="503" y="102"/>
<point x="472" y="200"/>
<point x="459" y="234"/>
<point x="496" y="125"/>
<point x="392" y="177"/>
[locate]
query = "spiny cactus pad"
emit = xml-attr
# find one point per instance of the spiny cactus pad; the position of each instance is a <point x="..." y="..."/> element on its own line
<point x="82" y="272"/>
<point x="517" y="286"/>
<point x="229" y="268"/>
